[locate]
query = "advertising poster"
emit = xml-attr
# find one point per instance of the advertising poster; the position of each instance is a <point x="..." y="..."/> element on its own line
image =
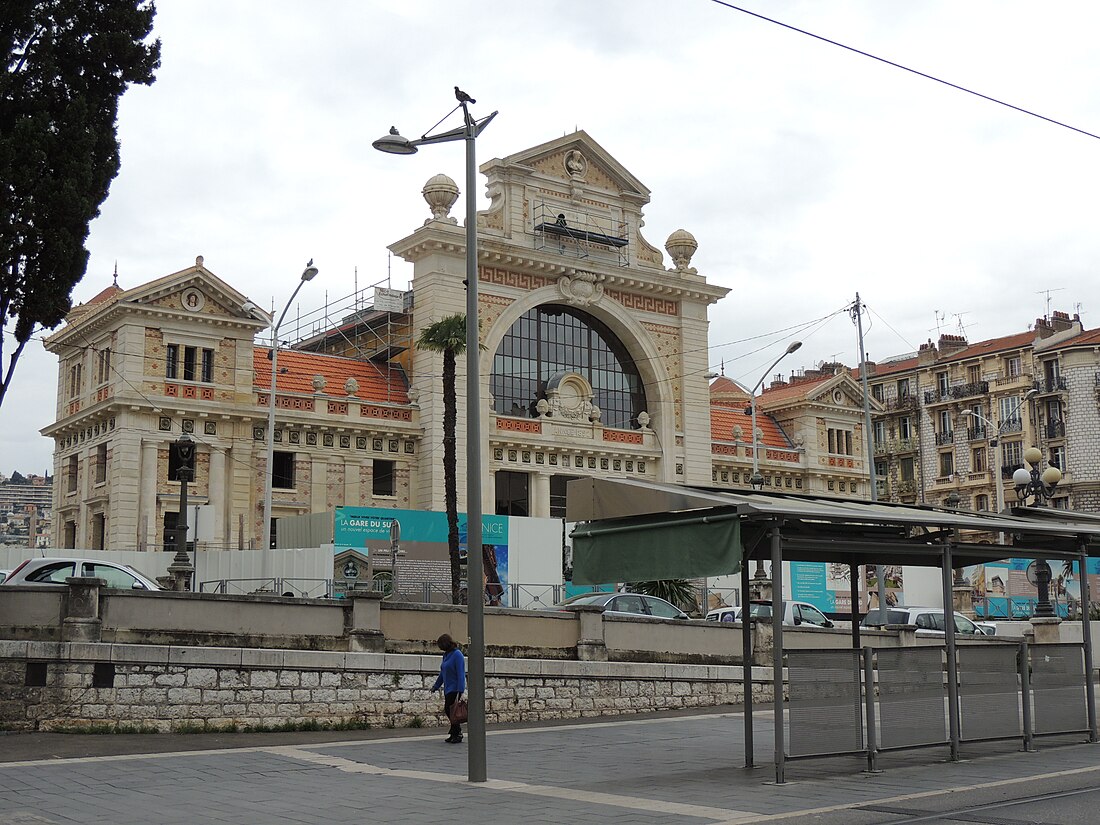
<point x="895" y="593"/>
<point x="827" y="586"/>
<point x="423" y="556"/>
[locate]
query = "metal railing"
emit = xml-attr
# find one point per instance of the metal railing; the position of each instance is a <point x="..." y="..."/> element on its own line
<point x="273" y="586"/>
<point x="1056" y="429"/>
<point x="976" y="433"/>
<point x="1051" y="384"/>
<point x="946" y="437"/>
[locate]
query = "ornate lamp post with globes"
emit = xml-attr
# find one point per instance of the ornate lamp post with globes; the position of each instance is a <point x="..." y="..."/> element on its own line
<point x="1038" y="486"/>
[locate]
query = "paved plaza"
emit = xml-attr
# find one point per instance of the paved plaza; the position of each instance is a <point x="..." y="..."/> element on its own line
<point x="650" y="771"/>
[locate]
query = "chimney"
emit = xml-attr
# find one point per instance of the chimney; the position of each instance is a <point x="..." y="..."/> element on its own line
<point x="950" y="344"/>
<point x="1043" y="328"/>
<point x="1060" y="321"/>
<point x="777" y="381"/>
<point x="926" y="355"/>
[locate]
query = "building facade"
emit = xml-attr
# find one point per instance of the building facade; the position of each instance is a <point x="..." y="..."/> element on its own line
<point x="594" y="361"/>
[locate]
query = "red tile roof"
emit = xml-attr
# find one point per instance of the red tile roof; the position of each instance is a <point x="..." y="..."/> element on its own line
<point x="889" y="368"/>
<point x="1089" y="336"/>
<point x="106" y="294"/>
<point x="380" y="383"/>
<point x="724" y="418"/>
<point x="1020" y="339"/>
<point x="798" y="389"/>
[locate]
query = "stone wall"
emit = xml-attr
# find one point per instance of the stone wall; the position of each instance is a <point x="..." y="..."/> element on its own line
<point x="49" y="686"/>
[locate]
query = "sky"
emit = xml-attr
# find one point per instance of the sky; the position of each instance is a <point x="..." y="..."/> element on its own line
<point x="806" y="172"/>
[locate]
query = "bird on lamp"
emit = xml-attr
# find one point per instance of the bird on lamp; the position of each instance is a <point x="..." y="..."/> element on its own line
<point x="462" y="97"/>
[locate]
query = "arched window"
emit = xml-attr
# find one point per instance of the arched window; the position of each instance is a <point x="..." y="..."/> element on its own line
<point x="553" y="338"/>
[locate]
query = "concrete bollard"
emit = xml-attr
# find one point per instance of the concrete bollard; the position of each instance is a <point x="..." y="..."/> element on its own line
<point x="591" y="646"/>
<point x="1047" y="630"/>
<point x="81" y="622"/>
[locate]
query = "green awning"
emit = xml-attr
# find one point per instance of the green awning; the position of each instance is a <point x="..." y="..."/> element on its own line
<point x="664" y="546"/>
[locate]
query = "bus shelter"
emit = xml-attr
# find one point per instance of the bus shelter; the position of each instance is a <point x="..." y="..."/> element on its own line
<point x="855" y="701"/>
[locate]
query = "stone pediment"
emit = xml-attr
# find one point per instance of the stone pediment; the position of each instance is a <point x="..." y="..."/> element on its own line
<point x="195" y="291"/>
<point x="575" y="158"/>
<point x="841" y="391"/>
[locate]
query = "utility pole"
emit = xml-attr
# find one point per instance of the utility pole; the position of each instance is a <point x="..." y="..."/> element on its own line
<point x="857" y="316"/>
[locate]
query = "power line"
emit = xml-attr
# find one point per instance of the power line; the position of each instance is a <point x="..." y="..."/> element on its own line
<point x="905" y="68"/>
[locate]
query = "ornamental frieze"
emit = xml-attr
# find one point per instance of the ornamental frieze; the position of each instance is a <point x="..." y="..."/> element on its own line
<point x="388" y="413"/>
<point x="645" y="303"/>
<point x="507" y="277"/>
<point x="519" y="425"/>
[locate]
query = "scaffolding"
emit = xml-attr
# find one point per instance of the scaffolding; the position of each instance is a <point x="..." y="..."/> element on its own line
<point x="581" y="234"/>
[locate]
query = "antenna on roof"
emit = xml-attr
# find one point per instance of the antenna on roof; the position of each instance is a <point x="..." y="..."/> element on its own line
<point x="958" y="316"/>
<point x="1047" y="293"/>
<point x="116" y="272"/>
<point x="939" y="319"/>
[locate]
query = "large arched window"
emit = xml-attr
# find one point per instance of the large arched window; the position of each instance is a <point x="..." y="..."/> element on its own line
<point x="553" y="338"/>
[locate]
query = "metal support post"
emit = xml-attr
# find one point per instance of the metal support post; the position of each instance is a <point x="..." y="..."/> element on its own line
<point x="952" y="663"/>
<point x="1025" y="692"/>
<point x="777" y="650"/>
<point x="1086" y="638"/>
<point x="869" y="709"/>
<point x="746" y="656"/>
<point x="853" y="583"/>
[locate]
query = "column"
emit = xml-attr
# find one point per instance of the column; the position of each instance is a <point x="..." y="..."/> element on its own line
<point x="147" y="487"/>
<point x="538" y="494"/>
<point x="217" y="498"/>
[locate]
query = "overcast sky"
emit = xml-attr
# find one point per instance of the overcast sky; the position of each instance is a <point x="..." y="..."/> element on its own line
<point x="806" y="172"/>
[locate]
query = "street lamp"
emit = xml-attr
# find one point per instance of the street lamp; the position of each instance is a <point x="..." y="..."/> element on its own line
<point x="308" y="274"/>
<point x="181" y="568"/>
<point x="756" y="481"/>
<point x="1038" y="486"/>
<point x="395" y="144"/>
<point x="994" y="444"/>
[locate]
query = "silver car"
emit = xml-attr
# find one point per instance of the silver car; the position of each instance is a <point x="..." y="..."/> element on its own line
<point x="627" y="604"/>
<point x="54" y="571"/>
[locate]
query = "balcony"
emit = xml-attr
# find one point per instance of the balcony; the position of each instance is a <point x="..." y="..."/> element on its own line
<point x="881" y="447"/>
<point x="947" y="437"/>
<point x="904" y="402"/>
<point x="970" y="389"/>
<point x="976" y="433"/>
<point x="1011" y="425"/>
<point x="907" y="488"/>
<point x="1008" y="469"/>
<point x="903" y="445"/>
<point x="1050" y="384"/>
<point x="1055" y="429"/>
<point x="936" y="397"/>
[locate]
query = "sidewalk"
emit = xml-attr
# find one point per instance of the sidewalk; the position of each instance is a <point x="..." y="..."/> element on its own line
<point x="669" y="769"/>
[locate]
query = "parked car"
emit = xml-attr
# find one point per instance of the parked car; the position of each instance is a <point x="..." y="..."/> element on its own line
<point x="3" y="575"/>
<point x="54" y="571"/>
<point x="929" y="620"/>
<point x="796" y="614"/>
<point x="627" y="604"/>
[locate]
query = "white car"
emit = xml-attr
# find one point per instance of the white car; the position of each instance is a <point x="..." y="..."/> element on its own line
<point x="929" y="621"/>
<point x="796" y="614"/>
<point x="54" y="571"/>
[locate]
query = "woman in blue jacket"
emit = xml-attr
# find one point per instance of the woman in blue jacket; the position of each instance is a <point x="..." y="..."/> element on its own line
<point x="452" y="678"/>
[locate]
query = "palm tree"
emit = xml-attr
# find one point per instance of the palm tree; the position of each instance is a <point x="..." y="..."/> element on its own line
<point x="448" y="336"/>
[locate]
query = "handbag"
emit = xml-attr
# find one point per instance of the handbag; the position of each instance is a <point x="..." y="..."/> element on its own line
<point x="460" y="711"/>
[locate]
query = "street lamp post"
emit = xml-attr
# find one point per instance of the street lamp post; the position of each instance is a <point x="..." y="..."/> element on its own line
<point x="181" y="568"/>
<point x="394" y="143"/>
<point x="1038" y="485"/>
<point x="756" y="481"/>
<point x="308" y="274"/>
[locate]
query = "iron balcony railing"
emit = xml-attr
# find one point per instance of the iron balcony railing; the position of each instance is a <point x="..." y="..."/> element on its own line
<point x="1055" y="383"/>
<point x="969" y="389"/>
<point x="976" y="433"/>
<point x="902" y="402"/>
<point x="1056" y="429"/>
<point x="946" y="437"/>
<point x="1008" y="469"/>
<point x="1011" y="425"/>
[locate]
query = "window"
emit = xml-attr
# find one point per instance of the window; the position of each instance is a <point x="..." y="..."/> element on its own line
<point x="101" y="463"/>
<point x="661" y="609"/>
<point x="99" y="532"/>
<point x="981" y="503"/>
<point x="943" y="383"/>
<point x="1012" y="366"/>
<point x="1052" y="373"/>
<point x="103" y="366"/>
<point x="384" y="482"/>
<point x="175" y="464"/>
<point x="1012" y="454"/>
<point x="905" y="428"/>
<point x="977" y="460"/>
<point x="196" y="364"/>
<point x="52" y="573"/>
<point x="554" y="338"/>
<point x="1058" y="458"/>
<point x="114" y="576"/>
<point x="72" y="471"/>
<point x="1054" y="410"/>
<point x="876" y="392"/>
<point x="880" y="433"/>
<point x="68" y="538"/>
<point x="171" y="360"/>
<point x="903" y="388"/>
<point x="630" y="603"/>
<point x="75" y="380"/>
<point x="172" y="531"/>
<point x="557" y="494"/>
<point x="840" y="441"/>
<point x="513" y="494"/>
<point x="282" y="471"/>
<point x="811" y="615"/>
<point x="1010" y="408"/>
<point x="907" y="469"/>
<point x="880" y="469"/>
<point x="945" y="422"/>
<point x="973" y="374"/>
<point x="947" y="464"/>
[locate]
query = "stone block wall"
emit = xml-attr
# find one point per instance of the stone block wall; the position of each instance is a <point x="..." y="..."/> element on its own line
<point x="49" y="686"/>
